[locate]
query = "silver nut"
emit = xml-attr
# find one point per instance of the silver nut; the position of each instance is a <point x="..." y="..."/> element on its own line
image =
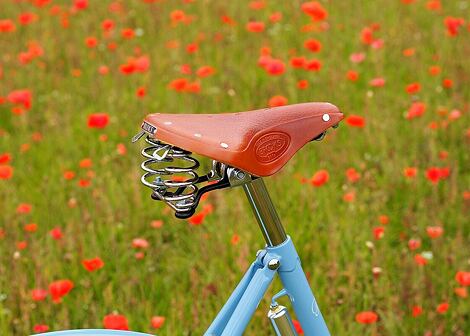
<point x="274" y="264"/>
<point x="240" y="175"/>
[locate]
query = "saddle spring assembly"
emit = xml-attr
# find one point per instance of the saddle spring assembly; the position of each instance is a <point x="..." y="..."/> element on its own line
<point x="171" y="173"/>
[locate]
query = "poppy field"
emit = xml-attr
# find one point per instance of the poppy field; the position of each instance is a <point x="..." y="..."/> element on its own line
<point x="378" y="210"/>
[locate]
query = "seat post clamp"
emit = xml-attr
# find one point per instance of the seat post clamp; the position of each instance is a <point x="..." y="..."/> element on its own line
<point x="237" y="177"/>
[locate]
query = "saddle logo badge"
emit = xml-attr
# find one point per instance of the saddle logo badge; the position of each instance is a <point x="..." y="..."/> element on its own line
<point x="148" y="128"/>
<point x="271" y="146"/>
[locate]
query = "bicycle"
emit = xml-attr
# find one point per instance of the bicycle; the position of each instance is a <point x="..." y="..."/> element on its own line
<point x="244" y="148"/>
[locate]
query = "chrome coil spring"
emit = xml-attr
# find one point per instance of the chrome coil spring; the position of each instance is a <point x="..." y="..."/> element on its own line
<point x="171" y="173"/>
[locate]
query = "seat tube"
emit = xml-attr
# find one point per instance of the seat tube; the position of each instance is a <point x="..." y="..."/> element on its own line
<point x="291" y="273"/>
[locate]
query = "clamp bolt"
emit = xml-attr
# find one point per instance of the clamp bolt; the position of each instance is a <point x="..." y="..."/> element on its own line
<point x="240" y="175"/>
<point x="274" y="264"/>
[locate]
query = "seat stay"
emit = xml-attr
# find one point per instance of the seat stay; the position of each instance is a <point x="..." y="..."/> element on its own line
<point x="222" y="318"/>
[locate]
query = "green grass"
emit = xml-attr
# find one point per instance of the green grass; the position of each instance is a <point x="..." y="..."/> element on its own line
<point x="188" y="272"/>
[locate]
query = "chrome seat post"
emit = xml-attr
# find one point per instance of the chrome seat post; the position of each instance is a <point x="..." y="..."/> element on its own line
<point x="265" y="213"/>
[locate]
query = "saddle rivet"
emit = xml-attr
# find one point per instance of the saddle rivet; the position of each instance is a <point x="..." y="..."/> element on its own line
<point x="326" y="117"/>
<point x="197" y="135"/>
<point x="168" y="123"/>
<point x="223" y="145"/>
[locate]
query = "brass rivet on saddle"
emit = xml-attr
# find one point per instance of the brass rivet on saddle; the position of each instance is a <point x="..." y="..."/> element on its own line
<point x="223" y="145"/>
<point x="197" y="135"/>
<point x="326" y="117"/>
<point x="168" y="123"/>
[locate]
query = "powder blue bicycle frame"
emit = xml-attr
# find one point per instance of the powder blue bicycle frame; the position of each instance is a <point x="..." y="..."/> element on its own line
<point x="278" y="257"/>
<point x="237" y="312"/>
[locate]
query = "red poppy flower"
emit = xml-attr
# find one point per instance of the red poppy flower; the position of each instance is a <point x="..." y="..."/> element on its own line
<point x="352" y="175"/>
<point x="6" y="172"/>
<point x="235" y="239"/>
<point x="23" y="97"/>
<point x="278" y="100"/>
<point x="197" y="219"/>
<point x="228" y="20"/>
<point x="157" y="321"/>
<point x="93" y="264"/>
<point x="56" y="233"/>
<point x="192" y="48"/>
<point x="27" y="18"/>
<point x="98" y="120"/>
<point x="352" y="75"/>
<point x="434" y="231"/>
<point x="116" y="322"/>
<point x="433" y="174"/>
<point x="416" y="110"/>
<point x="156" y="224"/>
<point x="414" y="244"/>
<point x="367" y="317"/>
<point x="355" y="121"/>
<point x="434" y="5"/>
<point x="434" y="70"/>
<point x="453" y="25"/>
<point x="315" y="10"/>
<point x="179" y="84"/>
<point x="275" y="17"/>
<point x="377" y="82"/>
<point x="128" y="33"/>
<point x="58" y="289"/>
<point x="38" y="294"/>
<point x="5" y="158"/>
<point x="320" y="178"/>
<point x="31" y="227"/>
<point x="378" y="232"/>
<point x="463" y="278"/>
<point x="416" y="311"/>
<point x="313" y="65"/>
<point x="357" y="57"/>
<point x="255" y="26"/>
<point x="24" y="208"/>
<point x="40" y="328"/>
<point x="313" y="45"/>
<point x="349" y="196"/>
<point x="297" y="62"/>
<point x="420" y="260"/>
<point x="274" y="67"/>
<point x="107" y="24"/>
<point x="257" y="5"/>
<point x="140" y="64"/>
<point x="297" y="327"/>
<point x="7" y="26"/>
<point x="410" y="172"/>
<point x="442" y="308"/>
<point x="205" y="71"/>
<point x="447" y="83"/>
<point x="91" y="42"/>
<point x="193" y="87"/>
<point x="409" y="52"/>
<point x="140" y="243"/>
<point x="461" y="292"/>
<point x="413" y="88"/>
<point x="80" y="4"/>
<point x="302" y="84"/>
<point x="367" y="36"/>
<point x="384" y="219"/>
<point x="140" y="92"/>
